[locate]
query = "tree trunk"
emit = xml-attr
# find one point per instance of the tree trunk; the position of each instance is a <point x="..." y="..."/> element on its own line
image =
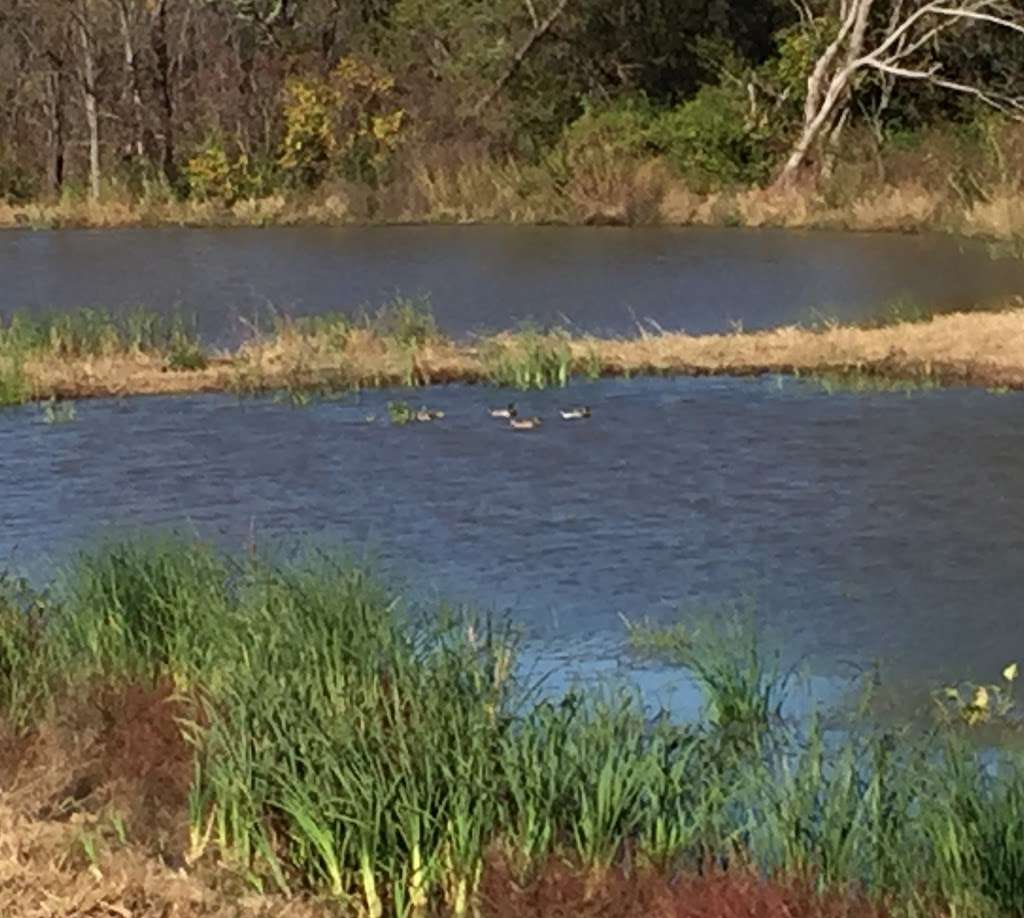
<point x="92" y="117"/>
<point x="55" y="131"/>
<point x="828" y="88"/>
<point x="131" y="72"/>
<point x="166" y="99"/>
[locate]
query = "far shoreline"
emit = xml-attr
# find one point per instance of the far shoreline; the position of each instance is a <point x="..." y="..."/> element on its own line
<point x="899" y="209"/>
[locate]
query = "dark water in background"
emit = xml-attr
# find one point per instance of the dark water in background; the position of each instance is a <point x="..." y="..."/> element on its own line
<point x="863" y="526"/>
<point x="602" y="279"/>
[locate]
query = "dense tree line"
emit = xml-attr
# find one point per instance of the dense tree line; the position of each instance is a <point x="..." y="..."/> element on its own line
<point x="206" y="96"/>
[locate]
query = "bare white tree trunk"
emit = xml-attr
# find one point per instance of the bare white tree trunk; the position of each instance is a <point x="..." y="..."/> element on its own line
<point x="132" y="77"/>
<point x="903" y="49"/>
<point x="828" y="86"/>
<point x="92" y="117"/>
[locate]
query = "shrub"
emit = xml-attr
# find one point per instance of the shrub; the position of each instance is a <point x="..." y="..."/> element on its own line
<point x="711" y="141"/>
<point x="622" y="128"/>
<point x="212" y="174"/>
<point x="349" y="124"/>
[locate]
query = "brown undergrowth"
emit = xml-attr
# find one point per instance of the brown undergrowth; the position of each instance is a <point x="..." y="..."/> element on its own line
<point x="93" y="822"/>
<point x="617" y="192"/>
<point x="94" y="819"/>
<point x="561" y="892"/>
<point x="977" y="348"/>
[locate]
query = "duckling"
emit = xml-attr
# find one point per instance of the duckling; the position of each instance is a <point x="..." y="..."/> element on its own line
<point x="508" y="412"/>
<point x="524" y="423"/>
<point x="424" y="415"/>
<point x="575" y="414"/>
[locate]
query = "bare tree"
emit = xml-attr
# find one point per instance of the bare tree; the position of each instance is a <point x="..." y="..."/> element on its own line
<point x="85" y="25"/>
<point x="128" y="14"/>
<point x="899" y="40"/>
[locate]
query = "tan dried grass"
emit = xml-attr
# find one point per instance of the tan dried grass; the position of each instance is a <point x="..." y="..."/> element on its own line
<point x="975" y="348"/>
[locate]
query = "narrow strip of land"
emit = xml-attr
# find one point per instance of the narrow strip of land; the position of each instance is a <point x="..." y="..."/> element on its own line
<point x="977" y="348"/>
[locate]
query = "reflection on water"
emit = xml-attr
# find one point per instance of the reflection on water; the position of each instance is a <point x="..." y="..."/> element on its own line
<point x="864" y="526"/>
<point x="492" y="277"/>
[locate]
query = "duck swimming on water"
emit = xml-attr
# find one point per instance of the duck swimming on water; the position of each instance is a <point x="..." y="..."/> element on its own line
<point x="524" y="423"/>
<point x="575" y="414"/>
<point x="507" y="412"/>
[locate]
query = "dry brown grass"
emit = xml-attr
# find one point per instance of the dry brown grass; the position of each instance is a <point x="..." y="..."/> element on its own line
<point x="984" y="349"/>
<point x="93" y="818"/>
<point x="470" y="186"/>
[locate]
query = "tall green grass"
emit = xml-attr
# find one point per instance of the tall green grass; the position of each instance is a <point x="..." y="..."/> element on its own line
<point x="529" y="360"/>
<point x="352" y="746"/>
<point x="89" y="333"/>
<point x="95" y="333"/>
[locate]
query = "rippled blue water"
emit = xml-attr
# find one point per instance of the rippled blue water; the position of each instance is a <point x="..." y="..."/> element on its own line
<point x="864" y="527"/>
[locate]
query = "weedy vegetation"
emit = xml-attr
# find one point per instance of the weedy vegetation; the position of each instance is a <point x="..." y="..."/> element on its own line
<point x="389" y="759"/>
<point x="399" y="345"/>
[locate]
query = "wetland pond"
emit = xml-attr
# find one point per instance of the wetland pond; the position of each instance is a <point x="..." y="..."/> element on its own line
<point x="863" y="527"/>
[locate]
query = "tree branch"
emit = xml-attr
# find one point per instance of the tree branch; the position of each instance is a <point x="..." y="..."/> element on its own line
<point x="517" y="59"/>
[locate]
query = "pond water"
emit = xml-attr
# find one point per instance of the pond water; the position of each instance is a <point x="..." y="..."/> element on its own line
<point x="600" y="279"/>
<point x="863" y="527"/>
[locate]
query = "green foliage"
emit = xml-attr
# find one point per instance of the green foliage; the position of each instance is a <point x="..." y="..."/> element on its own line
<point x="26" y="657"/>
<point x="17" y="184"/>
<point x="350" y="748"/>
<point x="742" y="688"/>
<point x="348" y="124"/>
<point x="799" y="48"/>
<point x="400" y="413"/>
<point x="529" y="360"/>
<point x="96" y="333"/>
<point x="621" y="129"/>
<point x="408" y="321"/>
<point x="214" y="174"/>
<point x="711" y="141"/>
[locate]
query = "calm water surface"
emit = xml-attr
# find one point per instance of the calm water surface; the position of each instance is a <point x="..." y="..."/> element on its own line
<point x="867" y="527"/>
<point x="863" y="526"/>
<point x="492" y="277"/>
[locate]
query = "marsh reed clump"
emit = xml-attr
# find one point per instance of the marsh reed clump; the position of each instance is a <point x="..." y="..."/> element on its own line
<point x="390" y="759"/>
<point x="528" y="359"/>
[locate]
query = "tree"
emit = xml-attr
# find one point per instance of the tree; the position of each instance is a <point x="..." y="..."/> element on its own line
<point x="898" y="39"/>
<point x="85" y="25"/>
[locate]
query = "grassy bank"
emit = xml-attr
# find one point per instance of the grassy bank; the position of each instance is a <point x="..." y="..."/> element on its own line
<point x="91" y="354"/>
<point x="606" y="193"/>
<point x="250" y="737"/>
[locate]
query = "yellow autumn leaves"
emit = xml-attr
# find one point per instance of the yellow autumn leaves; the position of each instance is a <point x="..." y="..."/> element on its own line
<point x="983" y="703"/>
<point x="348" y="123"/>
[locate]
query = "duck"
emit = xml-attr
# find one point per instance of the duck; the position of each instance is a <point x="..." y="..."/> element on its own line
<point x="507" y="412"/>
<point x="575" y="414"/>
<point x="424" y="415"/>
<point x="524" y="423"/>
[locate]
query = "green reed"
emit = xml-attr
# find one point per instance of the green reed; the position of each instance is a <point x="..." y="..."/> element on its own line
<point x="529" y="360"/>
<point x="382" y="756"/>
<point x="87" y="333"/>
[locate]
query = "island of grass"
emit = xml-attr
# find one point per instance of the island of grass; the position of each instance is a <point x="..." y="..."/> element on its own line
<point x="189" y="733"/>
<point x="91" y="354"/>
